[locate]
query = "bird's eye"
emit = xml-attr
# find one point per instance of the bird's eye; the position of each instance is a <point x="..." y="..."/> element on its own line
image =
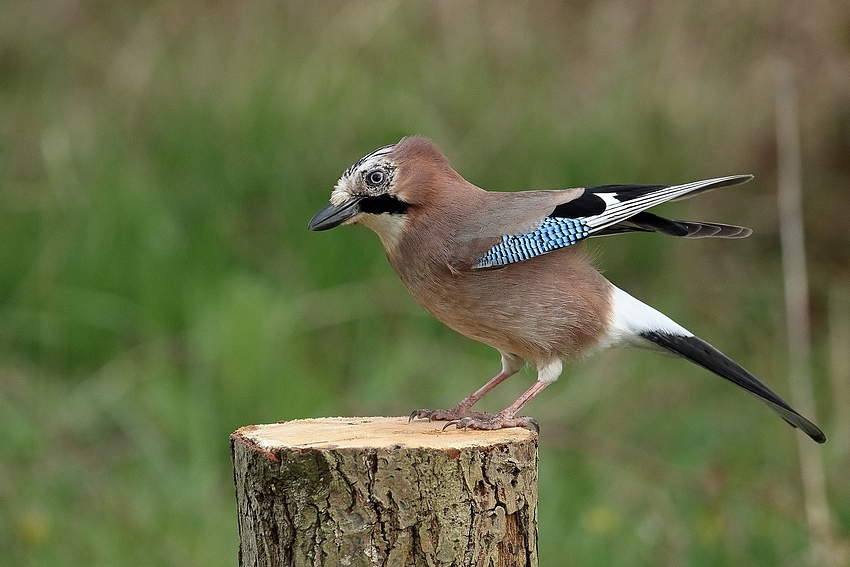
<point x="375" y="177"/>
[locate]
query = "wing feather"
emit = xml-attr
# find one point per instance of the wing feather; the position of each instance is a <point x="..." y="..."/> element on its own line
<point x="532" y="223"/>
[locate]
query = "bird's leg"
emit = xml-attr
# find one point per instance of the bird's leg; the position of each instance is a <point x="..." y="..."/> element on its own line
<point x="461" y="409"/>
<point x="546" y="374"/>
<point x="511" y="364"/>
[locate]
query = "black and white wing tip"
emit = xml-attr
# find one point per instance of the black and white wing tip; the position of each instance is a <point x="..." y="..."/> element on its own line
<point x="649" y="222"/>
<point x="711" y="184"/>
<point x="615" y="209"/>
<point x="611" y="209"/>
<point x="611" y="204"/>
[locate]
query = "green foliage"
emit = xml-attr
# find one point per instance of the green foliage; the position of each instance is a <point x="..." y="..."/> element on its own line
<point x="159" y="162"/>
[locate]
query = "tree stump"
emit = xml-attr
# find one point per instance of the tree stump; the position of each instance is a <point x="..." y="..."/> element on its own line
<point x="384" y="492"/>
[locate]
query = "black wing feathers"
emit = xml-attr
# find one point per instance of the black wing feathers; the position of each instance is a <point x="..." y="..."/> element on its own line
<point x="591" y="204"/>
<point x="586" y="205"/>
<point x="648" y="222"/>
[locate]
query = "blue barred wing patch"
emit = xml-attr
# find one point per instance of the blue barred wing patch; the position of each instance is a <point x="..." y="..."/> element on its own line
<point x="553" y="233"/>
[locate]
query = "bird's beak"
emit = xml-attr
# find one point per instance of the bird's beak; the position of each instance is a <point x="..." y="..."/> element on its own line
<point x="334" y="215"/>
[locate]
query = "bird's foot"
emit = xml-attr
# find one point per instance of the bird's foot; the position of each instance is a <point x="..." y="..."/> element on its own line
<point x="490" y="421"/>
<point x="453" y="414"/>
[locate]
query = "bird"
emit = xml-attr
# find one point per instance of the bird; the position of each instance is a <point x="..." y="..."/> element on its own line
<point x="508" y="269"/>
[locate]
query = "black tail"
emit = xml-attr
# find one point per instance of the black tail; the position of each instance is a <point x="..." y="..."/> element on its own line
<point x="700" y="352"/>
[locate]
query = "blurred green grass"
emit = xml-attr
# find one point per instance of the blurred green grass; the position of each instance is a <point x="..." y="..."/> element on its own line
<point x="158" y="288"/>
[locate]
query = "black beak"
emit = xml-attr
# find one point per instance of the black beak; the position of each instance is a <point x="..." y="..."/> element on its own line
<point x="332" y="215"/>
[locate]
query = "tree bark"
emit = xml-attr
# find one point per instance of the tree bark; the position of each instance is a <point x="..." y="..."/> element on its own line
<point x="384" y="492"/>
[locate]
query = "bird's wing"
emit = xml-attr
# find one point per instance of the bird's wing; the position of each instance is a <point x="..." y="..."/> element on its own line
<point x="537" y="222"/>
<point x="497" y="228"/>
<point x="647" y="222"/>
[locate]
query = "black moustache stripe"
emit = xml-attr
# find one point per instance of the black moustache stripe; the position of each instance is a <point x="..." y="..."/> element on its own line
<point x="383" y="204"/>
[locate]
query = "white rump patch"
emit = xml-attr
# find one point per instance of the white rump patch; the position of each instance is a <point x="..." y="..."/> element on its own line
<point x="631" y="317"/>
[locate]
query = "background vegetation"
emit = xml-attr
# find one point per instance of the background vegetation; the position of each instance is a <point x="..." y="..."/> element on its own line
<point x="159" y="162"/>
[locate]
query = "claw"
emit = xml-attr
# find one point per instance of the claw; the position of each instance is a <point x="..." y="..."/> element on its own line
<point x="491" y="422"/>
<point x="421" y="413"/>
<point x="415" y="414"/>
<point x="474" y="420"/>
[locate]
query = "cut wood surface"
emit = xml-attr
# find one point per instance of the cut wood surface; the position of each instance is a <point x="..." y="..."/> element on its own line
<point x="381" y="491"/>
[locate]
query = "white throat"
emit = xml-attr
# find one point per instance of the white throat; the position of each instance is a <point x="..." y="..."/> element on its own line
<point x="389" y="228"/>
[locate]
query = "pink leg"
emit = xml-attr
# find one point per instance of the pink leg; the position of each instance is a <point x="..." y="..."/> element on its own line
<point x="546" y="374"/>
<point x="535" y="389"/>
<point x="510" y="366"/>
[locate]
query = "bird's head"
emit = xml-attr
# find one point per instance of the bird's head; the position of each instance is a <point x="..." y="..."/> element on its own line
<point x="382" y="189"/>
<point x="364" y="189"/>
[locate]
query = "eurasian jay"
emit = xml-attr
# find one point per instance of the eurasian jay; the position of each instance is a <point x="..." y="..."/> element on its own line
<point x="504" y="268"/>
